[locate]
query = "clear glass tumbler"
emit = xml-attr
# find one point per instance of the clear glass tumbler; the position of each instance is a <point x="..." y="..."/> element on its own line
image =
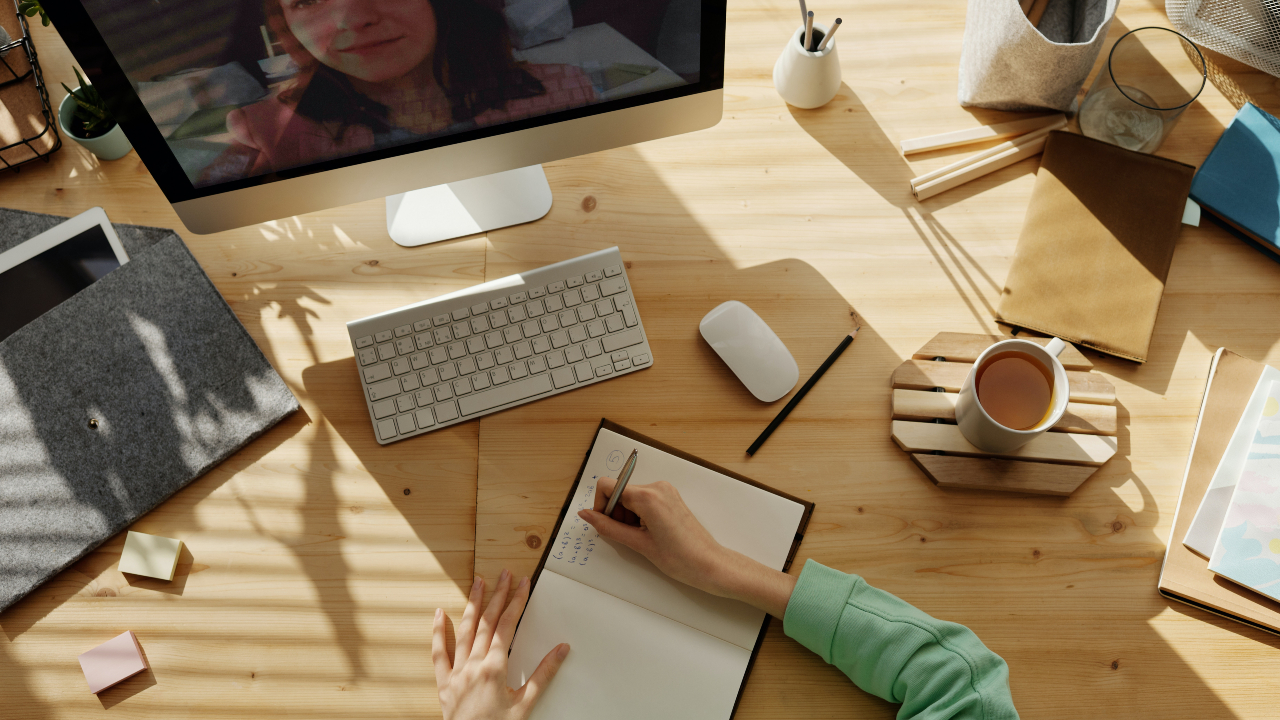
<point x="1146" y="85"/>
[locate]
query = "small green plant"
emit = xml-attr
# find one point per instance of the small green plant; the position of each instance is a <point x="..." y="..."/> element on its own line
<point x="30" y="8"/>
<point x="91" y="118"/>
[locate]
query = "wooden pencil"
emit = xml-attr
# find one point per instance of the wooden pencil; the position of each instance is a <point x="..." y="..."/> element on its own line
<point x="808" y="30"/>
<point x="795" y="399"/>
<point x="827" y="38"/>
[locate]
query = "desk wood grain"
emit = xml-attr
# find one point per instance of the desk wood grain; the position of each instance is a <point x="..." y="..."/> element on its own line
<point x="312" y="575"/>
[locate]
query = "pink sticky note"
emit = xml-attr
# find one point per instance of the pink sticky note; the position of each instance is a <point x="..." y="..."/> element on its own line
<point x="112" y="661"/>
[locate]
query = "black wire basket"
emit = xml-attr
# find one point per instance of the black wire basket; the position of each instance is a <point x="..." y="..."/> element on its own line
<point x="29" y="81"/>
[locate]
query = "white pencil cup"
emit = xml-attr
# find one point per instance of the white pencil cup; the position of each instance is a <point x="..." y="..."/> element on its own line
<point x="807" y="79"/>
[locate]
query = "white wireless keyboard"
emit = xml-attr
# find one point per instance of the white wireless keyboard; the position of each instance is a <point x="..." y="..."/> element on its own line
<point x="498" y="345"/>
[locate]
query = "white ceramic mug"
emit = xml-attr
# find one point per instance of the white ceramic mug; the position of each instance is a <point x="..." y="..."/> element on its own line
<point x="985" y="433"/>
<point x="807" y="79"/>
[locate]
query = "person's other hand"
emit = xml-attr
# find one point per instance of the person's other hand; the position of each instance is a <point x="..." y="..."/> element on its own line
<point x="474" y="685"/>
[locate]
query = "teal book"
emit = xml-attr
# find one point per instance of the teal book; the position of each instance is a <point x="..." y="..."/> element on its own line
<point x="1239" y="183"/>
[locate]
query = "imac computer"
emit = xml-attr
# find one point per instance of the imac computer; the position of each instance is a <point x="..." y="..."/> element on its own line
<point x="246" y="111"/>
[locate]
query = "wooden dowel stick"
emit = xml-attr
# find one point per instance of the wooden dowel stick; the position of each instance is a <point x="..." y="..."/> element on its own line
<point x="1037" y="12"/>
<point x="965" y="162"/>
<point x="978" y="169"/>
<point x="999" y="131"/>
<point x="827" y="38"/>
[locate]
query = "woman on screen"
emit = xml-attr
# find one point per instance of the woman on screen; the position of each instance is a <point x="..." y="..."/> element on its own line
<point x="379" y="73"/>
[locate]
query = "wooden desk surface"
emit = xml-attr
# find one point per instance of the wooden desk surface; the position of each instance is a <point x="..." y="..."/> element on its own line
<point x="317" y="557"/>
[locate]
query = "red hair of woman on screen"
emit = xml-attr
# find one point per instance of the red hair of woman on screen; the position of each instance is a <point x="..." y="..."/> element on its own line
<point x="376" y="73"/>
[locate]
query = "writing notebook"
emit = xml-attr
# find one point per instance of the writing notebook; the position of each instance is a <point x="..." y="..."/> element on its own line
<point x="644" y="645"/>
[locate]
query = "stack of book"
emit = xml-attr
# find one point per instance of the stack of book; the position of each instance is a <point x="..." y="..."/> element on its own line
<point x="1224" y="553"/>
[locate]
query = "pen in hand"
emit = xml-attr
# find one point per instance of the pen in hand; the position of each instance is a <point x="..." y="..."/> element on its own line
<point x="622" y="484"/>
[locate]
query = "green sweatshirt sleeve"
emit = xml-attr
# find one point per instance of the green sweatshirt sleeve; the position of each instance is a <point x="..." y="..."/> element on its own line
<point x="937" y="670"/>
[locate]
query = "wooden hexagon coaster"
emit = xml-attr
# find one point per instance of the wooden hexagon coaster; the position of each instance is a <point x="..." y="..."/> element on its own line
<point x="925" y="389"/>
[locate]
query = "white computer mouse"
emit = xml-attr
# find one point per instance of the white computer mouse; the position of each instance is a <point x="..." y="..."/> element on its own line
<point x="751" y="350"/>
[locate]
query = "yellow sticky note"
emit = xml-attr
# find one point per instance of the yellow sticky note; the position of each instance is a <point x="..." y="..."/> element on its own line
<point x="150" y="555"/>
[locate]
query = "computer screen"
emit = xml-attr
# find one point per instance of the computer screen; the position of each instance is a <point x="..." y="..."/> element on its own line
<point x="247" y="91"/>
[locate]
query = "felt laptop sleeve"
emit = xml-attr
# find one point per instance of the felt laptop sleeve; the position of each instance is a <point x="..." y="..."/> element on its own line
<point x="1096" y="245"/>
<point x="118" y="398"/>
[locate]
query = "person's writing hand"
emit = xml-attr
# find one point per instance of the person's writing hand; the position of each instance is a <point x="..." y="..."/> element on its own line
<point x="654" y="521"/>
<point x="474" y="685"/>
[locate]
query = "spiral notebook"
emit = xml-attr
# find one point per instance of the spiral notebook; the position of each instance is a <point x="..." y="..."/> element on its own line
<point x="644" y="645"/>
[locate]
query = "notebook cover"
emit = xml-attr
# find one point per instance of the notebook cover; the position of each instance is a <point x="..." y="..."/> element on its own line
<point x="1185" y="576"/>
<point x="1240" y="180"/>
<point x="1098" y="237"/>
<point x="606" y="424"/>
<point x="151" y="352"/>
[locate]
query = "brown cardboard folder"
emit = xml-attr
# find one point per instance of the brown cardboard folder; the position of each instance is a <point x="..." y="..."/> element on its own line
<point x="1185" y="576"/>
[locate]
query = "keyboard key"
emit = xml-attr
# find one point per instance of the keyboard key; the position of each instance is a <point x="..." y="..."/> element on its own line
<point x="555" y="287"/>
<point x="479" y="309"/>
<point x="549" y="323"/>
<point x="461" y="330"/>
<point x="386" y="352"/>
<point x="619" y="355"/>
<point x="475" y="345"/>
<point x="614" y="323"/>
<point x="481" y="381"/>
<point x="387" y="429"/>
<point x="594" y="276"/>
<point x="590" y="294"/>
<point x="503" y="355"/>
<point x="537" y="292"/>
<point x="577" y="334"/>
<point x="559" y="339"/>
<point x="562" y="377"/>
<point x="498" y="319"/>
<point x="368" y="356"/>
<point x="522" y="350"/>
<point x="479" y="324"/>
<point x="592" y="348"/>
<point x="518" y="371"/>
<point x="575" y="281"/>
<point x="448" y="372"/>
<point x="555" y="359"/>
<point x="442" y="319"/>
<point x="377" y="373"/>
<point x="641" y="359"/>
<point x="423" y="341"/>
<point x="602" y="370"/>
<point x="384" y="409"/>
<point x="406" y="424"/>
<point x="466" y="366"/>
<point x="424" y="397"/>
<point x="438" y="355"/>
<point x="409" y="383"/>
<point x="595" y="328"/>
<point x="499" y="376"/>
<point x="518" y="298"/>
<point x="512" y="334"/>
<point x="613" y="271"/>
<point x="460" y="314"/>
<point x="404" y="403"/>
<point x="537" y="365"/>
<point x="621" y="340"/>
<point x="484" y="361"/>
<point x="457" y="350"/>
<point x="534" y="308"/>
<point x="383" y="336"/>
<point x="405" y="346"/>
<point x="622" y="301"/>
<point x="364" y="342"/>
<point x="461" y="386"/>
<point x="622" y="365"/>
<point x="498" y="303"/>
<point x="553" y="303"/>
<point x="446" y="412"/>
<point x="573" y="354"/>
<point x="429" y="377"/>
<point x="541" y="344"/>
<point x="419" y="361"/>
<point x="404" y="330"/>
<point x="612" y="286"/>
<point x="603" y="307"/>
<point x="568" y="318"/>
<point x="629" y="314"/>
<point x="573" y="298"/>
<point x="383" y="390"/>
<point x="421" y="325"/>
<point x="444" y="391"/>
<point x="493" y="339"/>
<point x="516" y="314"/>
<point x="502" y="395"/>
<point x="531" y="328"/>
<point x="443" y="336"/>
<point x="423" y="418"/>
<point x="583" y="371"/>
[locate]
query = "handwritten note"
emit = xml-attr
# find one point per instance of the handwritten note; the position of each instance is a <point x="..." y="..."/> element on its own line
<point x="577" y="539"/>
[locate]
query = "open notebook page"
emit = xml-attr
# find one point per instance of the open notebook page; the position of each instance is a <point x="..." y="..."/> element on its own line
<point x="625" y="662"/>
<point x="755" y="522"/>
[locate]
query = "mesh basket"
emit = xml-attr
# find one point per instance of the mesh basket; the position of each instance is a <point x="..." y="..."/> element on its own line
<point x="1247" y="30"/>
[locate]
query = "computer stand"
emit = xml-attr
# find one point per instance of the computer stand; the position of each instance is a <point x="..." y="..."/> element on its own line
<point x="468" y="207"/>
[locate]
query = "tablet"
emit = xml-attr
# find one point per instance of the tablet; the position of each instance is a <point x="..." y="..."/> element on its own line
<point x="40" y="273"/>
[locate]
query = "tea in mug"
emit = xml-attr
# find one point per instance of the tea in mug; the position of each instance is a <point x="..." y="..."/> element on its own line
<point x="1015" y="389"/>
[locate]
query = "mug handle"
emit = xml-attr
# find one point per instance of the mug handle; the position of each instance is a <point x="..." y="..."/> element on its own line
<point x="1055" y="347"/>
